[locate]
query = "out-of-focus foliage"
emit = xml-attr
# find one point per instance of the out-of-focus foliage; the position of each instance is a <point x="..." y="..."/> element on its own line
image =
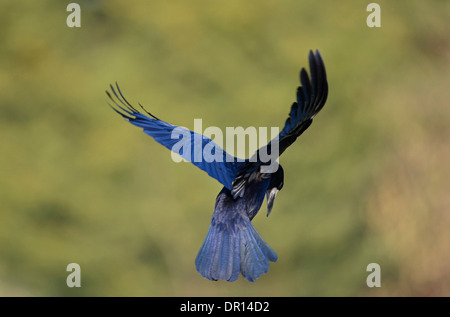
<point x="368" y="182"/>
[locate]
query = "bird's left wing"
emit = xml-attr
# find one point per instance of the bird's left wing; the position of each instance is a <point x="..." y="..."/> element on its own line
<point x="193" y="147"/>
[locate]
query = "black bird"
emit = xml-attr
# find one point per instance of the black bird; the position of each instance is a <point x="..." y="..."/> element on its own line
<point x="232" y="245"/>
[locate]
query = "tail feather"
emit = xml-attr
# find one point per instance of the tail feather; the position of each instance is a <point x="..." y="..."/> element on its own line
<point x="268" y="252"/>
<point x="203" y="261"/>
<point x="254" y="263"/>
<point x="230" y="250"/>
<point x="229" y="263"/>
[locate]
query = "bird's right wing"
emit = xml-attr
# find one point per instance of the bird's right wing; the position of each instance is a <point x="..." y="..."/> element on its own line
<point x="311" y="97"/>
<point x="193" y="147"/>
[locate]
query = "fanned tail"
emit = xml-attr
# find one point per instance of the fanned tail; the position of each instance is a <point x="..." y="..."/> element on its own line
<point x="230" y="249"/>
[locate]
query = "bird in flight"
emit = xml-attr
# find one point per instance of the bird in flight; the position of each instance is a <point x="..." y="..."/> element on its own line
<point x="232" y="245"/>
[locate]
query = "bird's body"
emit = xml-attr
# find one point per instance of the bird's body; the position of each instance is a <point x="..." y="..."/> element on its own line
<point x="232" y="245"/>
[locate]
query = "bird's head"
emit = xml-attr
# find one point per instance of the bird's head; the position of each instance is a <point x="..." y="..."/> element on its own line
<point x="276" y="184"/>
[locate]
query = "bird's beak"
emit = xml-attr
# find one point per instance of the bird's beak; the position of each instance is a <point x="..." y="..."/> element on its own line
<point x="270" y="195"/>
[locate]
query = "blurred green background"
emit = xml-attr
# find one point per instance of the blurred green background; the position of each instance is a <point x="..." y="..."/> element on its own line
<point x="368" y="182"/>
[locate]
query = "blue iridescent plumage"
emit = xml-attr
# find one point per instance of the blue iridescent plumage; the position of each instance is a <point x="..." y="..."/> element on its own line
<point x="232" y="245"/>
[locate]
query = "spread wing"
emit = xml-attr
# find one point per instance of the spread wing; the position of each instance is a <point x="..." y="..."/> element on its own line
<point x="193" y="147"/>
<point x="311" y="97"/>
